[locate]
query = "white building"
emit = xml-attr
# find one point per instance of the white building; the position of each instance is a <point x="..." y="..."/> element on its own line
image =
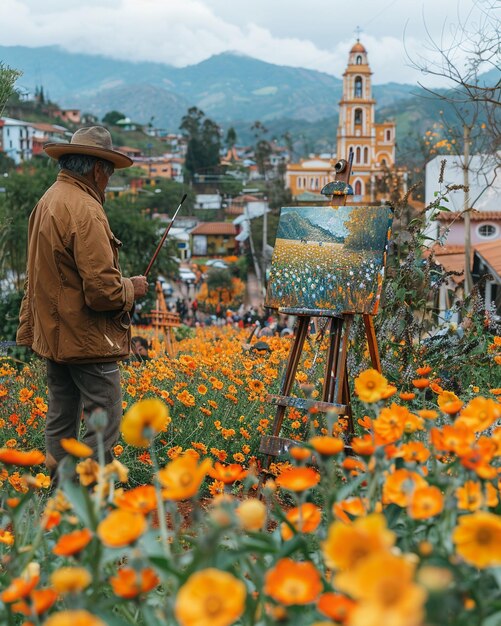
<point x="16" y="139"/>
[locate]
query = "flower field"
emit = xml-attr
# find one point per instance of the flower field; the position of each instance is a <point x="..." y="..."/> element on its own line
<point x="402" y="528"/>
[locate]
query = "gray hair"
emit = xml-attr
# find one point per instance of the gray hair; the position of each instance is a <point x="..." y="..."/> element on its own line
<point x="83" y="163"/>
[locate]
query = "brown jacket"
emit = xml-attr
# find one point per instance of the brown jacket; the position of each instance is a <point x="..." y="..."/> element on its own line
<point x="76" y="302"/>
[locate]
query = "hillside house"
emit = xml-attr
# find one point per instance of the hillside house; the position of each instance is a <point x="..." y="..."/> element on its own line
<point x="214" y="239"/>
<point x="44" y="133"/>
<point x="485" y="225"/>
<point x="16" y="139"/>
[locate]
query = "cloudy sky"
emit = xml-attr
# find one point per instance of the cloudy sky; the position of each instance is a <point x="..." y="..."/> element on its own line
<point x="315" y="34"/>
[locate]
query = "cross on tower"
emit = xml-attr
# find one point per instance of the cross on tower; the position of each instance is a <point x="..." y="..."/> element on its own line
<point x="358" y="30"/>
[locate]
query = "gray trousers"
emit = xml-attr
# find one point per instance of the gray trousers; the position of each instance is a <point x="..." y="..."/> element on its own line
<point x="74" y="392"/>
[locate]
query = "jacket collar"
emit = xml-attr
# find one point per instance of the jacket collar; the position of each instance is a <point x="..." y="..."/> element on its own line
<point x="80" y="181"/>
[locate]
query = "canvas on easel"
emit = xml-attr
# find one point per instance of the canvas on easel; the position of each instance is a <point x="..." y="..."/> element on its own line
<point x="329" y="260"/>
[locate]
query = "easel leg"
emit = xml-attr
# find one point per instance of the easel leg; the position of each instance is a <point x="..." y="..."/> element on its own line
<point x="372" y="342"/>
<point x="331" y="364"/>
<point x="303" y="326"/>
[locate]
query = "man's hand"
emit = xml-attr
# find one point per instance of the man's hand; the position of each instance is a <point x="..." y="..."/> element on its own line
<point x="140" y="284"/>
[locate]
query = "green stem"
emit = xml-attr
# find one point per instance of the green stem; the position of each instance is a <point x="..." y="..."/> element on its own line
<point x="160" y="504"/>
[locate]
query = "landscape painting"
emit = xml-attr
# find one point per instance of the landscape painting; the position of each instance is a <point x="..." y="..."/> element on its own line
<point x="329" y="260"/>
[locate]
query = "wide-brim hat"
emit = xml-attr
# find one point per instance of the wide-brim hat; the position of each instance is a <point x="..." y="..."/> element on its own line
<point x="93" y="141"/>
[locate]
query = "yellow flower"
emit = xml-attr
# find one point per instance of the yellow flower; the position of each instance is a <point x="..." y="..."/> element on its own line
<point x="385" y="592"/>
<point x="210" y="597"/>
<point x="74" y="618"/>
<point x="182" y="477"/>
<point x="143" y="421"/>
<point x="292" y="583"/>
<point x="370" y="386"/>
<point x="479" y="414"/>
<point x="70" y="579"/>
<point x="252" y="514"/>
<point x="478" y="539"/>
<point x="76" y="448"/>
<point x="121" y="528"/>
<point x="347" y="544"/>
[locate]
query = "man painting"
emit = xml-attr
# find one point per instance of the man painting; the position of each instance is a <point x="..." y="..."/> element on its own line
<point x="76" y="307"/>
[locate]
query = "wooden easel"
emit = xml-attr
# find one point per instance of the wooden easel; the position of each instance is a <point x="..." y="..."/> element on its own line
<point x="336" y="390"/>
<point x="162" y="319"/>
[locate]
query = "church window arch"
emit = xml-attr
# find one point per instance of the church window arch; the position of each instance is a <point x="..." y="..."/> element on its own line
<point x="358" y="155"/>
<point x="388" y="135"/>
<point x="358" y="188"/>
<point x="358" y="117"/>
<point x="299" y="182"/>
<point x="358" y="87"/>
<point x="359" y="59"/>
<point x="366" y="154"/>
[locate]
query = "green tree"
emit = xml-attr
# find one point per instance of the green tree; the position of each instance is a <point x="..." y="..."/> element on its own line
<point x="204" y="142"/>
<point x="231" y="138"/>
<point x="8" y="77"/>
<point x="112" y="117"/>
<point x="23" y="189"/>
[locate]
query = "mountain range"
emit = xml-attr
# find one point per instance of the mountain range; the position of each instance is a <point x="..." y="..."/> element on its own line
<point x="228" y="87"/>
<point x="232" y="89"/>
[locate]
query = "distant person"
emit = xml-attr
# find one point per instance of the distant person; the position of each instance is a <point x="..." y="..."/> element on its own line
<point x="139" y="348"/>
<point x="76" y="309"/>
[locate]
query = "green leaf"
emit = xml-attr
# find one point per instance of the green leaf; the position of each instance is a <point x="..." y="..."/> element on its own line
<point x="81" y="503"/>
<point x="350" y="487"/>
<point x="493" y="620"/>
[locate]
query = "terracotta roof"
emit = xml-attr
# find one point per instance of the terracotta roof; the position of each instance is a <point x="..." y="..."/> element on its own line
<point x="475" y="216"/>
<point x="451" y="258"/>
<point x="245" y="198"/>
<point x="491" y="253"/>
<point x="215" y="228"/>
<point x="49" y="127"/>
<point x="234" y="209"/>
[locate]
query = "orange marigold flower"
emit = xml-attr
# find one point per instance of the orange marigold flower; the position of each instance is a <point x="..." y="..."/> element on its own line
<point x="202" y="390"/>
<point x="299" y="453"/>
<point x="227" y="473"/>
<point x="18" y="589"/>
<point x="121" y="528"/>
<point x="9" y="456"/>
<point x="391" y="422"/>
<point x="352" y="464"/>
<point x="210" y="597"/>
<point x="327" y="446"/>
<point x="421" y="383"/>
<point x="449" y="403"/>
<point x="478" y="539"/>
<point x="370" y="386"/>
<point x="365" y="445"/>
<point x="72" y="543"/>
<point x="118" y="450"/>
<point x="216" y="487"/>
<point x="78" y="617"/>
<point x="423" y="371"/>
<point x="426" y="502"/>
<point x="128" y="583"/>
<point x="6" y="537"/>
<point x="303" y="519"/>
<point x="354" y="507"/>
<point x="256" y="386"/>
<point x="141" y="499"/>
<point x="347" y="544"/>
<point x="70" y="579"/>
<point x="76" y="448"/>
<point x="469" y="496"/>
<point x="406" y="395"/>
<point x="335" y="606"/>
<point x="143" y="421"/>
<point x="428" y="414"/>
<point x="414" y="451"/>
<point x="479" y="414"/>
<point x="182" y="477"/>
<point x="40" y="601"/>
<point x="400" y="485"/>
<point x="298" y="479"/>
<point x="291" y="583"/>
